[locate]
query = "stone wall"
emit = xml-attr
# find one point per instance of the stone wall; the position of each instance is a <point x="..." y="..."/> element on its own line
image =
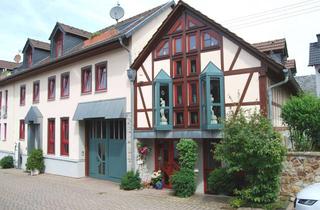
<point x="300" y="170"/>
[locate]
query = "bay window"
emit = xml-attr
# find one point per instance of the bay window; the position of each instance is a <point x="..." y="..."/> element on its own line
<point x="163" y="101"/>
<point x="212" y="97"/>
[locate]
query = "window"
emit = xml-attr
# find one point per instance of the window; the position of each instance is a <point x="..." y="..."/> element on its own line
<point x="21" y="130"/>
<point x="117" y="129"/>
<point x="64" y="136"/>
<point x="194" y="118"/>
<point x="192" y="22"/>
<point x="177" y="68"/>
<point x="51" y="88"/>
<point x="163" y="101"/>
<point x="29" y="57"/>
<point x="5" y="104"/>
<point x="36" y="91"/>
<point x="65" y="85"/>
<point x="163" y="49"/>
<point x="193" y="66"/>
<point x="208" y="40"/>
<point x="22" y="95"/>
<point x="101" y="76"/>
<point x="192" y="42"/>
<point x="51" y="136"/>
<point x="212" y="93"/>
<point x="59" y="44"/>
<point x="177" y="27"/>
<point x="178" y="95"/>
<point x="193" y="93"/>
<point x="5" y="131"/>
<point x="177" y="45"/>
<point x="0" y="101"/>
<point x="86" y="79"/>
<point x="179" y="118"/>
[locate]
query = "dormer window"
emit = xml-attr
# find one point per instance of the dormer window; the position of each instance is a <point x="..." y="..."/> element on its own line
<point x="58" y="44"/>
<point x="29" y="57"/>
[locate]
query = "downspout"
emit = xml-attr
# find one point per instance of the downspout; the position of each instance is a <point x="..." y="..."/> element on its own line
<point x="132" y="79"/>
<point x="269" y="90"/>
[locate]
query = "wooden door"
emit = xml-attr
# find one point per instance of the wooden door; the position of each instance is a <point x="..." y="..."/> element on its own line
<point x="167" y="159"/>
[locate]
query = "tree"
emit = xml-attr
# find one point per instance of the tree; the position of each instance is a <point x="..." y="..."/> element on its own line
<point x="302" y="114"/>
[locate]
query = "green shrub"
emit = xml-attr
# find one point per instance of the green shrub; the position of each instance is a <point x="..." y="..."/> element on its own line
<point x="221" y="181"/>
<point x="130" y="181"/>
<point x="35" y="160"/>
<point x="183" y="182"/>
<point x="300" y="141"/>
<point x="6" y="162"/>
<point x="187" y="153"/>
<point x="302" y="114"/>
<point x="237" y="203"/>
<point x="251" y="146"/>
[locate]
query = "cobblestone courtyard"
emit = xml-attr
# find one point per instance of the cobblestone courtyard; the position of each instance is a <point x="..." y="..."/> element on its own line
<point x="19" y="191"/>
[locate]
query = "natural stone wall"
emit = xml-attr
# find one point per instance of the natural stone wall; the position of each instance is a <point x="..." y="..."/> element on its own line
<point x="300" y="170"/>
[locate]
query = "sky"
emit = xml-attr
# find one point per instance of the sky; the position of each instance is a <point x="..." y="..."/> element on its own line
<point x="252" y="20"/>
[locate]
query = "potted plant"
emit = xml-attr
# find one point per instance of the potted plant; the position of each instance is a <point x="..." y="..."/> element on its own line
<point x="156" y="180"/>
<point x="143" y="151"/>
<point x="35" y="162"/>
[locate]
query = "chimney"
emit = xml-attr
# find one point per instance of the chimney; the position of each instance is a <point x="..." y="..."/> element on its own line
<point x="17" y="58"/>
<point x="318" y="37"/>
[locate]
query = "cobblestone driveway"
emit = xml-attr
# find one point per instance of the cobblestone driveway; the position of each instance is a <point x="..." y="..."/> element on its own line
<point x="19" y="191"/>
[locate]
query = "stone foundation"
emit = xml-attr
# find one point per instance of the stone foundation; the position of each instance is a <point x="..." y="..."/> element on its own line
<point x="300" y="170"/>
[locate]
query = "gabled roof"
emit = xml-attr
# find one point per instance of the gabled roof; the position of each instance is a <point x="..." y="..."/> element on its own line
<point x="307" y="83"/>
<point x="36" y="44"/>
<point x="314" y="52"/>
<point x="95" y="43"/>
<point x="175" y="14"/>
<point x="272" y="45"/>
<point x="71" y="30"/>
<point x="8" y="64"/>
<point x="128" y="26"/>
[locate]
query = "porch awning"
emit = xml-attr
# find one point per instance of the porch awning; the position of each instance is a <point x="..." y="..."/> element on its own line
<point x="108" y="109"/>
<point x="33" y="116"/>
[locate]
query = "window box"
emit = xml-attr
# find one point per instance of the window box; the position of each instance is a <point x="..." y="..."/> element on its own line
<point x="163" y="101"/>
<point x="212" y="97"/>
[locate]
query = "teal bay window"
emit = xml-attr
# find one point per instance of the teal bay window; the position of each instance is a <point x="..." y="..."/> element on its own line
<point x="212" y="97"/>
<point x="163" y="101"/>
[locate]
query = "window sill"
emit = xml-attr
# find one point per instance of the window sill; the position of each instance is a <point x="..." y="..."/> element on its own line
<point x="86" y="93"/>
<point x="101" y="91"/>
<point x="35" y="102"/>
<point x="158" y="58"/>
<point x="205" y="49"/>
<point x="51" y="99"/>
<point x="21" y="139"/>
<point x="64" y="97"/>
<point x="22" y="104"/>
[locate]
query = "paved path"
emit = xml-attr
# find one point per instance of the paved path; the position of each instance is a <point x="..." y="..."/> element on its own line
<point x="19" y="191"/>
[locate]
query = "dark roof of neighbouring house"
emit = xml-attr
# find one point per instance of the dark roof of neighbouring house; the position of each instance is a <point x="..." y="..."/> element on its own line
<point x="307" y="83"/>
<point x="36" y="44"/>
<point x="271" y="45"/>
<point x="314" y="53"/>
<point x="102" y="38"/>
<point x="8" y="64"/>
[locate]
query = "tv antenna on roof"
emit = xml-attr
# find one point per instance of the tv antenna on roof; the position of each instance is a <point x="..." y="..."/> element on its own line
<point x="117" y="12"/>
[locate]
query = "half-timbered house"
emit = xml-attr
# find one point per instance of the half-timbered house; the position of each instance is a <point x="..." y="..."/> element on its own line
<point x="190" y="75"/>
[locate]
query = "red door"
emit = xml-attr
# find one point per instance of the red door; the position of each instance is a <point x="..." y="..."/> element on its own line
<point x="209" y="163"/>
<point x="166" y="159"/>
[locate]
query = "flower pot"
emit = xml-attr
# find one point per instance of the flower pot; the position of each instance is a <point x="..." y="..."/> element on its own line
<point x="34" y="172"/>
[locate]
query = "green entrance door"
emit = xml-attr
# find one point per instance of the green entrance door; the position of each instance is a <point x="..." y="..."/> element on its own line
<point x="107" y="149"/>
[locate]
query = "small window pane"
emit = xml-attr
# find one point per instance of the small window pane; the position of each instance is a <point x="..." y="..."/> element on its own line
<point x="209" y="41"/>
<point x="178" y="67"/>
<point x="179" y="94"/>
<point x="164" y="50"/>
<point x="121" y="129"/>
<point x="178" y="45"/>
<point x="194" y="98"/>
<point x="192" y="42"/>
<point x="193" y="118"/>
<point x="116" y="129"/>
<point x="179" y="118"/>
<point x="215" y="89"/>
<point x="164" y="94"/>
<point x="111" y="129"/>
<point x="193" y="66"/>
